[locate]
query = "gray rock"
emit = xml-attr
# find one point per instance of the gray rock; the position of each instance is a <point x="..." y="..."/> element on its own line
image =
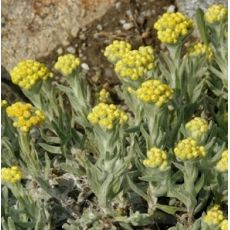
<point x="189" y="7"/>
<point x="128" y="26"/>
<point x="71" y="50"/>
<point x="85" y="66"/>
<point x="171" y="9"/>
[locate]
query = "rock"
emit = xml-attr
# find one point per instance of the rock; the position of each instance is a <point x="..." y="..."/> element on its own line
<point x="99" y="27"/>
<point x="82" y="36"/>
<point x="147" y="13"/>
<point x="33" y="29"/>
<point x="171" y="9"/>
<point x="129" y="13"/>
<point x="122" y="21"/>
<point x="128" y="26"/>
<point x="140" y="20"/>
<point x="85" y="66"/>
<point x="71" y="50"/>
<point x="118" y="5"/>
<point x="189" y="7"/>
<point x="59" y="51"/>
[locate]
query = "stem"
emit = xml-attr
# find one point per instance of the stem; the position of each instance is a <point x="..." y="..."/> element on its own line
<point x="174" y="52"/>
<point x="29" y="156"/>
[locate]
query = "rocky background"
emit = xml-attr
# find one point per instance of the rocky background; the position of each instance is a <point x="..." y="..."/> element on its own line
<point x="45" y="29"/>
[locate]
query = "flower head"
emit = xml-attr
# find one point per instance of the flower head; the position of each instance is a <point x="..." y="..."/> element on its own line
<point x="188" y="149"/>
<point x="216" y="13"/>
<point x="156" y="158"/>
<point x="66" y="64"/>
<point x="154" y="91"/>
<point x="222" y="164"/>
<point x="115" y="51"/>
<point x="27" y="73"/>
<point x="135" y="64"/>
<point x="214" y="216"/>
<point x="106" y="115"/>
<point x="24" y="115"/>
<point x="103" y="95"/>
<point x="199" y="49"/>
<point x="224" y="225"/>
<point x="11" y="175"/>
<point x="197" y="127"/>
<point x="173" y="26"/>
<point x="4" y="103"/>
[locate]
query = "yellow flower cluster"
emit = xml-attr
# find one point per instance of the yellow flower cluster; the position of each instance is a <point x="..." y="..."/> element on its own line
<point x="199" y="49"/>
<point x="27" y="73"/>
<point x="222" y="164"/>
<point x="216" y="13"/>
<point x="4" y="103"/>
<point x="224" y="225"/>
<point x="172" y="26"/>
<point x="156" y="158"/>
<point x="197" y="127"/>
<point x="11" y="175"/>
<point x="66" y="64"/>
<point x="106" y="115"/>
<point x="103" y="95"/>
<point x="214" y="216"/>
<point x="115" y="51"/>
<point x="24" y="115"/>
<point x="135" y="64"/>
<point x="154" y="91"/>
<point x="188" y="149"/>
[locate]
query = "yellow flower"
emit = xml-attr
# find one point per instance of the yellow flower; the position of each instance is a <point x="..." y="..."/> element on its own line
<point x="66" y="64"/>
<point x="188" y="149"/>
<point x="214" y="216"/>
<point x="115" y="51"/>
<point x="156" y="158"/>
<point x="199" y="49"/>
<point x="27" y="73"/>
<point x="11" y="175"/>
<point x="222" y="164"/>
<point x="224" y="225"/>
<point x="197" y="127"/>
<point x="24" y="115"/>
<point x="173" y="26"/>
<point x="135" y="64"/>
<point x="216" y="13"/>
<point x="4" y="103"/>
<point x="107" y="115"/>
<point x="154" y="91"/>
<point x="103" y="95"/>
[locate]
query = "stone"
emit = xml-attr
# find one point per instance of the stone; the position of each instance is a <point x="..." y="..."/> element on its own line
<point x="128" y="26"/>
<point x="34" y="29"/>
<point x="85" y="66"/>
<point x="171" y="9"/>
<point x="99" y="27"/>
<point x="71" y="50"/>
<point x="59" y="51"/>
<point x="189" y="7"/>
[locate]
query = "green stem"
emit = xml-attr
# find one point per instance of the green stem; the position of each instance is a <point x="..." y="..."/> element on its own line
<point x="27" y="153"/>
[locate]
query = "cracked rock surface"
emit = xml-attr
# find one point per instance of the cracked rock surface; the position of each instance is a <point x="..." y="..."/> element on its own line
<point x="34" y="28"/>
